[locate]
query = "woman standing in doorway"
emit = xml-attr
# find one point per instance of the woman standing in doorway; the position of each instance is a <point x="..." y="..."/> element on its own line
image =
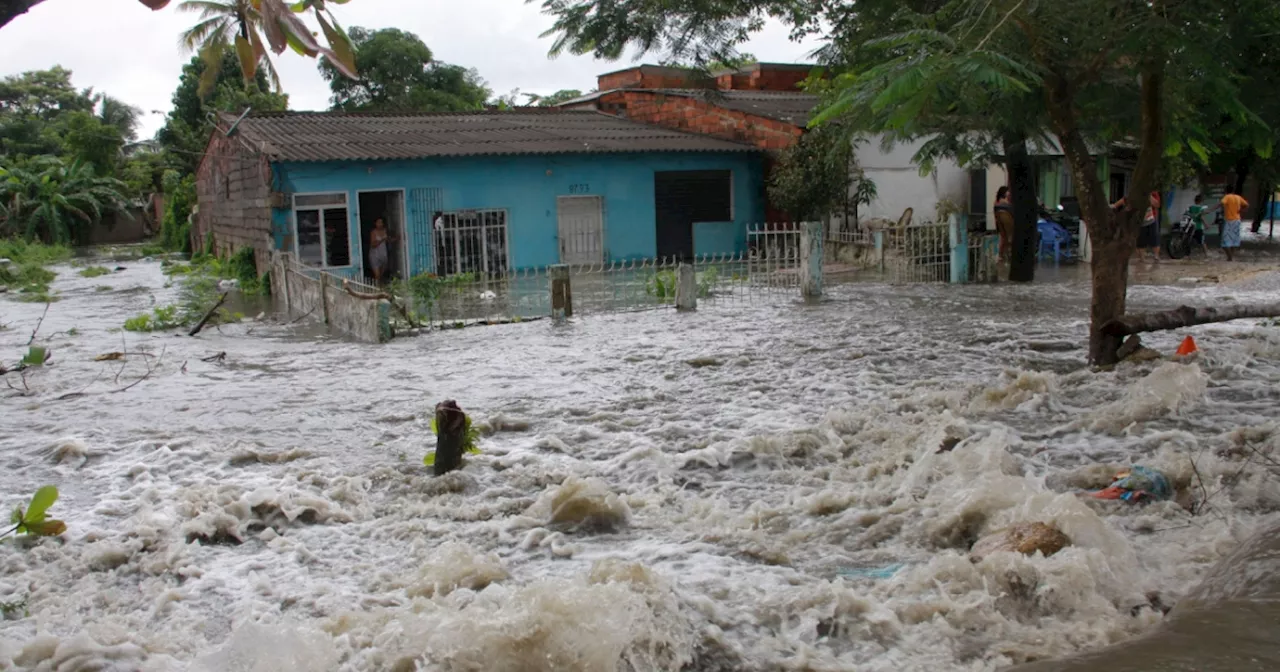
<point x="379" y="255"/>
<point x="1004" y="221"/>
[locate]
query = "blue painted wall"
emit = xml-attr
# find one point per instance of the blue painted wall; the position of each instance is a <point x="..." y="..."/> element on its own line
<point x="527" y="187"/>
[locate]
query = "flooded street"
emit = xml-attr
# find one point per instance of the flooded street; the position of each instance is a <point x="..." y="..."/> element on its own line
<point x="743" y="488"/>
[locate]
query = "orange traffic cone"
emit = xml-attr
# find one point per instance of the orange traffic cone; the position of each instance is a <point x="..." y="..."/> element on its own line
<point x="1188" y="347"/>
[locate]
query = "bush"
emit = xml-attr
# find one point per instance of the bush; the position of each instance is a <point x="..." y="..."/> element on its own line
<point x="94" y="271"/>
<point x="180" y="198"/>
<point x="22" y="252"/>
<point x="161" y="318"/>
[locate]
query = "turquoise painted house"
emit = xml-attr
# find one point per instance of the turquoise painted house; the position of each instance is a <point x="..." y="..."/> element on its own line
<point x="482" y="192"/>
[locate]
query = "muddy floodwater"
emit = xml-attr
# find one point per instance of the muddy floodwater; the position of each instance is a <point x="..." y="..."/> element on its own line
<point x="750" y="487"/>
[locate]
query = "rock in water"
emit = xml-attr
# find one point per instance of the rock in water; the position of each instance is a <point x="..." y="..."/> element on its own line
<point x="1024" y="538"/>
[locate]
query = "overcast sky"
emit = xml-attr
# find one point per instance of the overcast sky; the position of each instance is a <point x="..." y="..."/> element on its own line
<point x="122" y="48"/>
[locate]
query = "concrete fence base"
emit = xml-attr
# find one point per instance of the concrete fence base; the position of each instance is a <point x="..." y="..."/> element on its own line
<point x="321" y="297"/>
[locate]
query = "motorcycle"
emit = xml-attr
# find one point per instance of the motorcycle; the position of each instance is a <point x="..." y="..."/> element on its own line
<point x="1181" y="238"/>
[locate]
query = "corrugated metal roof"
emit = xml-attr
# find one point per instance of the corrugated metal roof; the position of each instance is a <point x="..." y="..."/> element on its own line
<point x="324" y="136"/>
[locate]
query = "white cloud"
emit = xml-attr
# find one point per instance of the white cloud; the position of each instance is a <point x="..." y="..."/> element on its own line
<point x="122" y="48"/>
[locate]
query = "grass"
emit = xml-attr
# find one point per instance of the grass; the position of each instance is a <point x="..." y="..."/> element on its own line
<point x="102" y="288"/>
<point x="94" y="271"/>
<point x="22" y="252"/>
<point x="26" y="274"/>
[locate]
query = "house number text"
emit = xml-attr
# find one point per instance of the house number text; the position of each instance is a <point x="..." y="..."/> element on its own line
<point x="579" y="188"/>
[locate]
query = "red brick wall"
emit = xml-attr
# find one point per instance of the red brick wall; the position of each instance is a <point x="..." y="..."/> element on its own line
<point x="233" y="187"/>
<point x="695" y="116"/>
<point x="766" y="79"/>
<point x="638" y="78"/>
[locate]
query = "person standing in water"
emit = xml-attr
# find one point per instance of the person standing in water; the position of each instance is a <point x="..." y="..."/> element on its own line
<point x="1004" y="221"/>
<point x="379" y="254"/>
<point x="1232" y="205"/>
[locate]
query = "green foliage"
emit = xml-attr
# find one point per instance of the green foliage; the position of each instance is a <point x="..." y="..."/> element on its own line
<point x="662" y="285"/>
<point x="36" y="356"/>
<point x="103" y="288"/>
<point x="94" y="271"/>
<point x="175" y="226"/>
<point x="14" y="609"/>
<point x="30" y="280"/>
<point x="31" y="105"/>
<point x="161" y="318"/>
<point x="21" y="251"/>
<point x="398" y="73"/>
<point x="554" y="99"/>
<point x="53" y="201"/>
<point x="471" y="437"/>
<point x="188" y="125"/>
<point x="243" y="267"/>
<point x="812" y="178"/>
<point x="34" y="521"/>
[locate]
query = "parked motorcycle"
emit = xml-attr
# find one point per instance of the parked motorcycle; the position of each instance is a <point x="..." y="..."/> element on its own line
<point x="1181" y="238"/>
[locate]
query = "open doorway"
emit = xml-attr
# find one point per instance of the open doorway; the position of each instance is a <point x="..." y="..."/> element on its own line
<point x="389" y="207"/>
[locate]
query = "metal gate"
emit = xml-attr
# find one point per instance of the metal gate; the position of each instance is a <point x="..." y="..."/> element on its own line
<point x="581" y="229"/>
<point x="424" y="204"/>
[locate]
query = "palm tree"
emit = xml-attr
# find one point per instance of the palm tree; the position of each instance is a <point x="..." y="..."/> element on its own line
<point x="251" y="26"/>
<point x="55" y="201"/>
<point x="125" y="117"/>
<point x="224" y="23"/>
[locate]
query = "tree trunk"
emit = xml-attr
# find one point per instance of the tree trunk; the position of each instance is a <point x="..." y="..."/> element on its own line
<point x="451" y="435"/>
<point x="1242" y="172"/>
<point x="1185" y="316"/>
<point x="12" y="9"/>
<point x="1110" y="275"/>
<point x="1113" y="235"/>
<point x="1022" y="264"/>
<point x="1261" y="206"/>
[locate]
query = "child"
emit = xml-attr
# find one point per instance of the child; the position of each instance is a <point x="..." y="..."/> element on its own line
<point x="1196" y="213"/>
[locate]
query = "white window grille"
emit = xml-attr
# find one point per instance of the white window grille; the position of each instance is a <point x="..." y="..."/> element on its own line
<point x="471" y="241"/>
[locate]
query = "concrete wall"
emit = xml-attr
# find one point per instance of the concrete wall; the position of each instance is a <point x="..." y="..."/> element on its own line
<point x="900" y="184"/>
<point x="118" y="228"/>
<point x="527" y="187"/>
<point x="233" y="186"/>
<point x="320" y="297"/>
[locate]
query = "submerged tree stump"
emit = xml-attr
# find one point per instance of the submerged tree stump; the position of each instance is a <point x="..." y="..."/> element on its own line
<point x="451" y="436"/>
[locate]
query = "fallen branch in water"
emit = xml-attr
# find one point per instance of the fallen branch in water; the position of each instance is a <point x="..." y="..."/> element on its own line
<point x="381" y="296"/>
<point x="38" y="323"/>
<point x="200" y="325"/>
<point x="150" y="369"/>
<point x="219" y="358"/>
<point x="1185" y="316"/>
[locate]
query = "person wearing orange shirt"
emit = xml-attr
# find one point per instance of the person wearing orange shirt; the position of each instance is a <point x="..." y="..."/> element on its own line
<point x="1232" y="206"/>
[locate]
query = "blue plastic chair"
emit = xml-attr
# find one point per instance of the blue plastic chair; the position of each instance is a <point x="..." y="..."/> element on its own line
<point x="1054" y="240"/>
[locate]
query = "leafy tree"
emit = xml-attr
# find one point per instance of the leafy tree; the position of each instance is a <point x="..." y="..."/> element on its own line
<point x="87" y="137"/>
<point x="54" y="201"/>
<point x="812" y="177"/>
<point x="186" y="129"/>
<point x="399" y="73"/>
<point x="120" y="115"/>
<point x="554" y="99"/>
<point x="175" y="228"/>
<point x="30" y="105"/>
<point x="1150" y="71"/>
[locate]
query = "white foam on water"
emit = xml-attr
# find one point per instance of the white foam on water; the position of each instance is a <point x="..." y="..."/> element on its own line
<point x="803" y="498"/>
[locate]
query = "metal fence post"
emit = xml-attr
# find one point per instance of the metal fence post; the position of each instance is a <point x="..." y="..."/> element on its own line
<point x="686" y="288"/>
<point x="959" y="249"/>
<point x="811" y="260"/>
<point x="561" y="292"/>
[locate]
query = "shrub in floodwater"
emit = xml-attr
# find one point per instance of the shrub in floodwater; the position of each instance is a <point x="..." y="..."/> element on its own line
<point x="14" y="610"/>
<point x="661" y="285"/>
<point x="470" y="437"/>
<point x="102" y="288"/>
<point x="160" y="318"/>
<point x="36" y="356"/>
<point x="33" y="521"/>
<point x="22" y="252"/>
<point x="94" y="271"/>
<point x="28" y="279"/>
